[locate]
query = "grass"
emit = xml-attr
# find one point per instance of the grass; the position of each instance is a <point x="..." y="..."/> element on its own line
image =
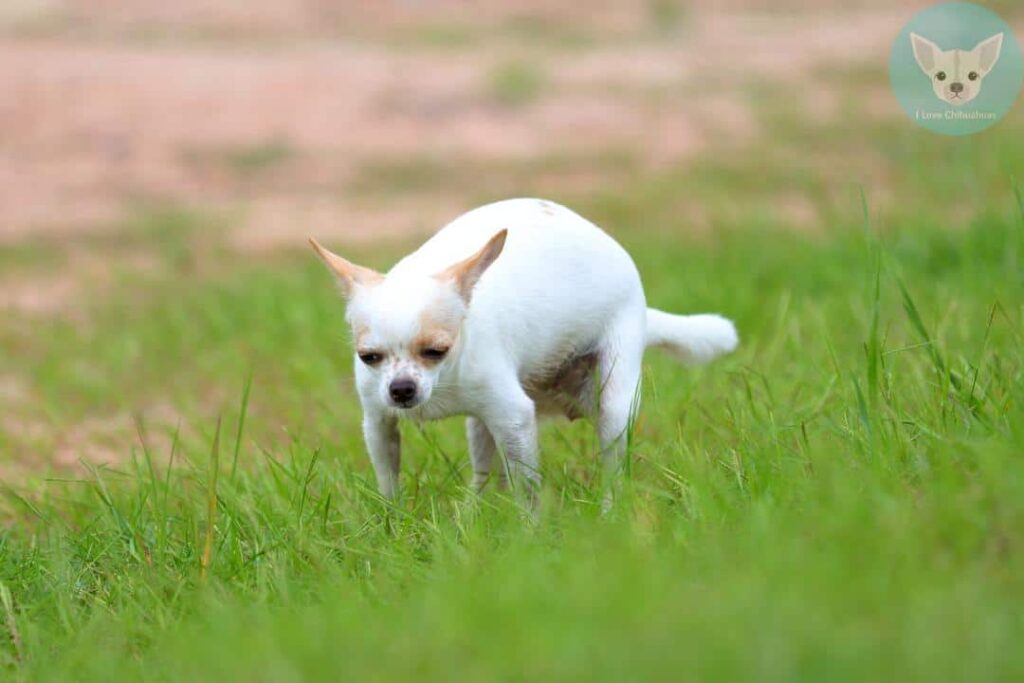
<point x="516" y="83"/>
<point x="255" y="158"/>
<point x="427" y="175"/>
<point x="842" y="499"/>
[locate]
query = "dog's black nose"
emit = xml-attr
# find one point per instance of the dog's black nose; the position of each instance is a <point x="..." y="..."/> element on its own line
<point x="956" y="87"/>
<point x="402" y="390"/>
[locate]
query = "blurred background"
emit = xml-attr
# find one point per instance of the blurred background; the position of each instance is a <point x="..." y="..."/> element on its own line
<point x="286" y="117"/>
<point x="174" y="140"/>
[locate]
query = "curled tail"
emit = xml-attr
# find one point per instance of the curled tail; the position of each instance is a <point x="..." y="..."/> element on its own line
<point x="692" y="339"/>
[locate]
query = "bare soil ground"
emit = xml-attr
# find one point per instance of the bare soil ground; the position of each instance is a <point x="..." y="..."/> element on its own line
<point x="96" y="119"/>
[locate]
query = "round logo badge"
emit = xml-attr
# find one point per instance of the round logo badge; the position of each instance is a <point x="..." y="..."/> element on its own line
<point x="956" y="68"/>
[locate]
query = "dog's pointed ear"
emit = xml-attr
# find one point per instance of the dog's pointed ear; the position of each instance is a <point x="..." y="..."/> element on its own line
<point x="350" y="276"/>
<point x="988" y="52"/>
<point x="465" y="274"/>
<point x="925" y="52"/>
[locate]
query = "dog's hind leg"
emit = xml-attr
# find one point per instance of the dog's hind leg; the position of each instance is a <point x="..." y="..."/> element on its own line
<point x="618" y="399"/>
<point x="482" y="451"/>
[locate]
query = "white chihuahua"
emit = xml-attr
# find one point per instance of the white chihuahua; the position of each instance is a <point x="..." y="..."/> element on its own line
<point x="546" y="316"/>
<point x="956" y="75"/>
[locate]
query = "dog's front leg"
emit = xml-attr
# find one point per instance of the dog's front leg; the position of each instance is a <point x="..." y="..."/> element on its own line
<point x="384" y="443"/>
<point x="512" y="420"/>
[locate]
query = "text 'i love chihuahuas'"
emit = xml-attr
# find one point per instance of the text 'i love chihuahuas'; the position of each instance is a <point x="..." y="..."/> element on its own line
<point x="516" y="309"/>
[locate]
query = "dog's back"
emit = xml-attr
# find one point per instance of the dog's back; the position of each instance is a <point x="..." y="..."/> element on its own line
<point x="552" y="294"/>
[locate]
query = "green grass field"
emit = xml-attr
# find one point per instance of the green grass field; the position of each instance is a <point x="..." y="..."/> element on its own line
<point x="841" y="499"/>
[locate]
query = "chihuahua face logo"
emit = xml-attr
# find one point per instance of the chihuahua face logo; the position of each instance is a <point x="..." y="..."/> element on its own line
<point x="957" y="75"/>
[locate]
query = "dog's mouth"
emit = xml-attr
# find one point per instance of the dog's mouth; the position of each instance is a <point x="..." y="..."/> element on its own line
<point x="407" y="405"/>
<point x="958" y="99"/>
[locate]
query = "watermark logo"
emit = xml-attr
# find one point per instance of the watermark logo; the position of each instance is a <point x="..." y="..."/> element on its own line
<point x="956" y="68"/>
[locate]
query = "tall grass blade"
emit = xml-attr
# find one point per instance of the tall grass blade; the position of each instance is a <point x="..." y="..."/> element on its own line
<point x="241" y="424"/>
<point x="12" y="622"/>
<point x="211" y="504"/>
<point x="922" y="330"/>
<point x="862" y="410"/>
<point x="873" y="349"/>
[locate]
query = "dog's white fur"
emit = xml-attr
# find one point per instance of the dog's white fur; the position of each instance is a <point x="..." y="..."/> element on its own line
<point x="956" y="75"/>
<point x="540" y="312"/>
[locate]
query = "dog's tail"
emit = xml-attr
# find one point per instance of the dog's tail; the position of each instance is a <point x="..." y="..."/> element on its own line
<point x="693" y="339"/>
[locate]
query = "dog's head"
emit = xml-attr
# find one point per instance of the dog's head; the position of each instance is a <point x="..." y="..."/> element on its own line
<point x="956" y="75"/>
<point x="406" y="326"/>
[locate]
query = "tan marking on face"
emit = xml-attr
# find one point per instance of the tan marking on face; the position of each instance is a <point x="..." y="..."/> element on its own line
<point x="435" y="333"/>
<point x="359" y="335"/>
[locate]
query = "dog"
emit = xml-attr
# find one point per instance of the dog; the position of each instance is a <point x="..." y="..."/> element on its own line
<point x="957" y="75"/>
<point x="514" y="310"/>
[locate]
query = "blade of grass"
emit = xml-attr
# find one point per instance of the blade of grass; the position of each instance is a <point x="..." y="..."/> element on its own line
<point x="873" y="346"/>
<point x="918" y="324"/>
<point x="12" y="622"/>
<point x="241" y="424"/>
<point x="211" y="504"/>
<point x="305" y="486"/>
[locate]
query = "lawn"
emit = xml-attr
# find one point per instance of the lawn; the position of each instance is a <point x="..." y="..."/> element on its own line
<point x="841" y="499"/>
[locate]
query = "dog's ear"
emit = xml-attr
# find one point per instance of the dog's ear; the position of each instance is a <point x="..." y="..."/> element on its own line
<point x="988" y="52"/>
<point x="350" y="276"/>
<point x="465" y="274"/>
<point x="925" y="52"/>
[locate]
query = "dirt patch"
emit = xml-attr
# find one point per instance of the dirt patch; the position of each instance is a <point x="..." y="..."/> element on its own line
<point x="92" y="127"/>
<point x="37" y="296"/>
<point x="33" y="442"/>
<point x="57" y="282"/>
<point x="288" y="221"/>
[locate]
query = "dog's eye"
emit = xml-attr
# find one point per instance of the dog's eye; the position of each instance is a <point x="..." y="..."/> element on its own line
<point x="941" y="76"/>
<point x="434" y="353"/>
<point x="973" y="75"/>
<point x="371" y="357"/>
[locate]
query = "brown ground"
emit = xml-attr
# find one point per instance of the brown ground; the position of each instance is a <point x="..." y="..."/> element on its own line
<point x="210" y="111"/>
